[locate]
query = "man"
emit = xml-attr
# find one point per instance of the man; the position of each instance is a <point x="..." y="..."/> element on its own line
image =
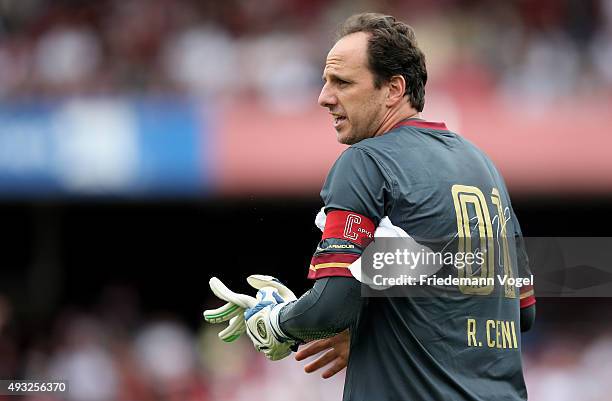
<point x="432" y="183"/>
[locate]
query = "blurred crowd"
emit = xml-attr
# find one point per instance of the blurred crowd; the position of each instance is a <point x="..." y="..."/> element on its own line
<point x="562" y="366"/>
<point x="113" y="351"/>
<point x="544" y="49"/>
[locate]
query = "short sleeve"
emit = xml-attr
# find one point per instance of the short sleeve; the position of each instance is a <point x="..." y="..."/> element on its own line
<point x="357" y="183"/>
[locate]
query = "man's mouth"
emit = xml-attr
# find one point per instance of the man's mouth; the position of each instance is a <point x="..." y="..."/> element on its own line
<point x="338" y="120"/>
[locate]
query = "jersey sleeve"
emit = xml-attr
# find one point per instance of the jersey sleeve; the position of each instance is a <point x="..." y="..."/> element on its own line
<point x="329" y="307"/>
<point x="355" y="194"/>
<point x="357" y="183"/>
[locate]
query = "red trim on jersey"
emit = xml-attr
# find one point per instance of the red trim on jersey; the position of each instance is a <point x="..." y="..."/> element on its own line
<point x="329" y="272"/>
<point x="527" y="296"/>
<point x="333" y="258"/>
<point x="421" y="124"/>
<point x="526" y="302"/>
<point x="350" y="226"/>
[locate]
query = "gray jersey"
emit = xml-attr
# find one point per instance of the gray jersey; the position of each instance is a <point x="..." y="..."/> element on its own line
<point x="465" y="343"/>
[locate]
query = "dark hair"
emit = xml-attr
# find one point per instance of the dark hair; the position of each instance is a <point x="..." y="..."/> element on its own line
<point x="392" y="50"/>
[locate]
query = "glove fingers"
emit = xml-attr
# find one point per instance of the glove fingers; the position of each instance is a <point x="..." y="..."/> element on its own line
<point x="234" y="330"/>
<point x="260" y="281"/>
<point x="221" y="291"/>
<point x="222" y="314"/>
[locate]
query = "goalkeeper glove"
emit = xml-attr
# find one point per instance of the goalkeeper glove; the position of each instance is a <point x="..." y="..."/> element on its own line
<point x="236" y="304"/>
<point x="263" y="327"/>
<point x="233" y="310"/>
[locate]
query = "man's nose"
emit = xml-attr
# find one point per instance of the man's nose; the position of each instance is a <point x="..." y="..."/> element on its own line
<point x="327" y="98"/>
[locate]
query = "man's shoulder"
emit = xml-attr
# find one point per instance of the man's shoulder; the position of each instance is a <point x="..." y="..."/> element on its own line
<point x="355" y="158"/>
<point x="372" y="149"/>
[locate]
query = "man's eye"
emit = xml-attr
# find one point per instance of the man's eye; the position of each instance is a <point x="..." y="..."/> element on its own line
<point x="342" y="83"/>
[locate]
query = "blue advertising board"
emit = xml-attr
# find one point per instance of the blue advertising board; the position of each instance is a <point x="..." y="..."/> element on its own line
<point x="105" y="147"/>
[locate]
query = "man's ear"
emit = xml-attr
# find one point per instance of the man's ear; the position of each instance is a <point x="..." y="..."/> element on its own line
<point x="397" y="89"/>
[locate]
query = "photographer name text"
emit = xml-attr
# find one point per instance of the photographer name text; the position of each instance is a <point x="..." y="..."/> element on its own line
<point x="423" y="279"/>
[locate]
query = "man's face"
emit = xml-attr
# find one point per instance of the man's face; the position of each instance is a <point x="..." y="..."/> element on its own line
<point x="348" y="92"/>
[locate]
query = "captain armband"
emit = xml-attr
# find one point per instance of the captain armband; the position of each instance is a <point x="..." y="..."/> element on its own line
<point x="345" y="236"/>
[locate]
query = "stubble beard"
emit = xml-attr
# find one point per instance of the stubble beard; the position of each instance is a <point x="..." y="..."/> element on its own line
<point x="349" y="139"/>
<point x="357" y="133"/>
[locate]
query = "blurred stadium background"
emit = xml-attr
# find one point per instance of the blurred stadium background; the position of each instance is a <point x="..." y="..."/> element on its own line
<point x="146" y="145"/>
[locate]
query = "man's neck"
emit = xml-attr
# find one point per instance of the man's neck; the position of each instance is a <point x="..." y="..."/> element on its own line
<point x="395" y="116"/>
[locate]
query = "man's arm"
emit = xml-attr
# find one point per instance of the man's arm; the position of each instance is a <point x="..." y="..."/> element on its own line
<point x="527" y="317"/>
<point x="354" y="194"/>
<point x="330" y="307"/>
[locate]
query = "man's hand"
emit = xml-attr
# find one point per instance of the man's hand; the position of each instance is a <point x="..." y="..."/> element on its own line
<point x="263" y="328"/>
<point x="337" y="354"/>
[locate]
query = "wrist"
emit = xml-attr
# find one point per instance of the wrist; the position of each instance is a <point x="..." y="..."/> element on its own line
<point x="275" y="323"/>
